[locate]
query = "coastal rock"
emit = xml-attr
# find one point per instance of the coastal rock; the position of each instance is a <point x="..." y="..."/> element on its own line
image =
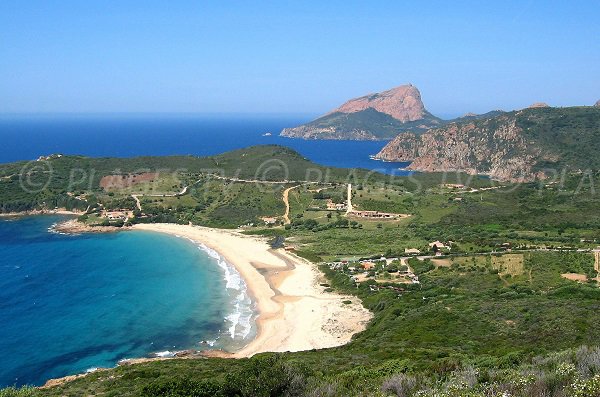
<point x="371" y="117"/>
<point x="467" y="147"/>
<point x="517" y="146"/>
<point x="73" y="226"/>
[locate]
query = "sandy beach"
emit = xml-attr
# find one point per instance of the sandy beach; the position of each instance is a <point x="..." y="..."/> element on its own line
<point x="294" y="311"/>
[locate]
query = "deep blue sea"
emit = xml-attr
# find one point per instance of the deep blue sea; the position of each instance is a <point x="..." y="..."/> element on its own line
<point x="71" y="303"/>
<point x="28" y="137"/>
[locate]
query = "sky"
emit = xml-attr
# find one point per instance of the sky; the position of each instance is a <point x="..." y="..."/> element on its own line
<point x="294" y="57"/>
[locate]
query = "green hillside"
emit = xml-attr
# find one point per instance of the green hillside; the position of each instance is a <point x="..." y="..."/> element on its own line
<point x="494" y="314"/>
<point x="375" y="124"/>
<point x="528" y="144"/>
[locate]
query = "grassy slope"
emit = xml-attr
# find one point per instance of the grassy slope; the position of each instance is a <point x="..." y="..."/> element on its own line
<point x="467" y="314"/>
<point x="570" y="134"/>
<point x="380" y="125"/>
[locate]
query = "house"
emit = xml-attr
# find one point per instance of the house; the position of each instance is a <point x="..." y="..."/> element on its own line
<point x="269" y="220"/>
<point x="116" y="216"/>
<point x="438" y="245"/>
<point x="374" y="214"/>
<point x="331" y="206"/>
<point x="411" y="251"/>
<point x="368" y="265"/>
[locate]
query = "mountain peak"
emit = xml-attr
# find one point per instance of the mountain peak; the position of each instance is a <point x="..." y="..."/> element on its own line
<point x="380" y="115"/>
<point x="402" y="103"/>
<point x="538" y="105"/>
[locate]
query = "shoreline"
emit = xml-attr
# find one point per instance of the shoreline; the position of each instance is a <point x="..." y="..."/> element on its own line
<point x="41" y="212"/>
<point x="294" y="313"/>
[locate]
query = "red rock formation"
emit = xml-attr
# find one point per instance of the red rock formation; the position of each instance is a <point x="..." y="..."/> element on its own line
<point x="496" y="148"/>
<point x="402" y="103"/>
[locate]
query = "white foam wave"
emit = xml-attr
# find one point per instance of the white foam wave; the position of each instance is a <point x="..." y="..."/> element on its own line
<point x="166" y="353"/>
<point x="52" y="229"/>
<point x="241" y="318"/>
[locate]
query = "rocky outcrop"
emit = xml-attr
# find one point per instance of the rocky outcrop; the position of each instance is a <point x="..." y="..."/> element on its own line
<point x="475" y="149"/>
<point x="517" y="146"/>
<point x="538" y="105"/>
<point x="402" y="103"/>
<point x="597" y="104"/>
<point x="375" y="116"/>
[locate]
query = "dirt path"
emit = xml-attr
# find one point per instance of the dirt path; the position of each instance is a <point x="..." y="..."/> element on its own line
<point x="597" y="264"/>
<point x="286" y="201"/>
<point x="137" y="202"/>
<point x="349" y="208"/>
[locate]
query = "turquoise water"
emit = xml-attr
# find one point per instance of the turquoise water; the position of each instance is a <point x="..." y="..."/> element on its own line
<point x="71" y="303"/>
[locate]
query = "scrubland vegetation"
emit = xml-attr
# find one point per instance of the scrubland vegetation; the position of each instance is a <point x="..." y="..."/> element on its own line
<point x="492" y="316"/>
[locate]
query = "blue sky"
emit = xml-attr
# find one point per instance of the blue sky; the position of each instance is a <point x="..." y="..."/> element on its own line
<point x="294" y="57"/>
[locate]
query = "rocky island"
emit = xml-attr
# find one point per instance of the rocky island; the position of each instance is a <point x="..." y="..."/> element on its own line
<point x="377" y="116"/>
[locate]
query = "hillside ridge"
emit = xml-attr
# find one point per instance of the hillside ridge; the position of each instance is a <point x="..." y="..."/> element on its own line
<point x="522" y="145"/>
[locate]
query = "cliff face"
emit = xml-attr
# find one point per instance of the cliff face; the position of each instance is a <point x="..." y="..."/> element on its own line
<point x="376" y="116"/>
<point x="515" y="146"/>
<point x="402" y="103"/>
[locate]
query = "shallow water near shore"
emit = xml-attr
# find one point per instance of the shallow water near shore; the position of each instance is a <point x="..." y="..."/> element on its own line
<point x="71" y="303"/>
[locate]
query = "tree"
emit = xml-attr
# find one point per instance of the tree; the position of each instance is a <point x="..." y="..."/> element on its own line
<point x="184" y="388"/>
<point x="310" y="223"/>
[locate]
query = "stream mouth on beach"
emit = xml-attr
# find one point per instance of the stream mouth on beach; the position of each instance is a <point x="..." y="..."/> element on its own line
<point x="69" y="303"/>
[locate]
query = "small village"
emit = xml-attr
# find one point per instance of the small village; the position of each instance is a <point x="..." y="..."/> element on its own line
<point x="386" y="271"/>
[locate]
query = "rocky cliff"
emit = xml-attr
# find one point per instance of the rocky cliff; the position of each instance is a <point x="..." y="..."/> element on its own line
<point x="517" y="146"/>
<point x="376" y="116"/>
<point x="402" y="103"/>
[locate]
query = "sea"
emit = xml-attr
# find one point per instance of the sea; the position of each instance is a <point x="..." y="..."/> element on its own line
<point x="73" y="303"/>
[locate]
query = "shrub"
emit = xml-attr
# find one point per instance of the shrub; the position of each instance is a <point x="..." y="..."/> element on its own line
<point x="22" y="392"/>
<point x="401" y="385"/>
<point x="184" y="388"/>
<point x="588" y="361"/>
